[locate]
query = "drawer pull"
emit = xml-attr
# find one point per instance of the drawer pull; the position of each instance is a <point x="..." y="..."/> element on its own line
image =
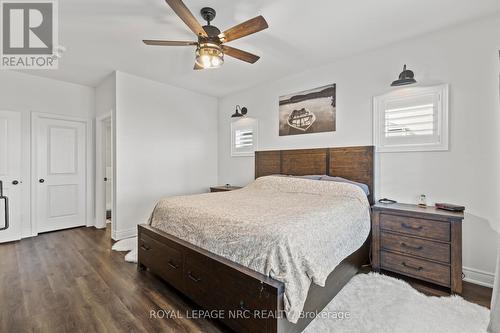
<point x="245" y="309"/>
<point x="171" y="264"/>
<point x="145" y="247"/>
<point x="418" y="269"/>
<point x="242" y="306"/>
<point x="417" y="248"/>
<point x="194" y="278"/>
<point x="407" y="226"/>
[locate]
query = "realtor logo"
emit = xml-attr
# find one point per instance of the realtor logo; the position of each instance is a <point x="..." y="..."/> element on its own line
<point x="29" y="34"/>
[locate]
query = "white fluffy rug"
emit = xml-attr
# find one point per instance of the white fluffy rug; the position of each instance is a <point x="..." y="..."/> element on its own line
<point x="129" y="244"/>
<point x="381" y="304"/>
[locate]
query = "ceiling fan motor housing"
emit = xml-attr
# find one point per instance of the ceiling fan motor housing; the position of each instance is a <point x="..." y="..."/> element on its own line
<point x="208" y="14"/>
<point x="212" y="31"/>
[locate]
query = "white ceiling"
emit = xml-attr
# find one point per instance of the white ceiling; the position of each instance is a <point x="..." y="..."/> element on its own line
<point x="105" y="35"/>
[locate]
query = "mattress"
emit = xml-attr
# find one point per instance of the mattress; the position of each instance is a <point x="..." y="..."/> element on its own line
<point x="293" y="230"/>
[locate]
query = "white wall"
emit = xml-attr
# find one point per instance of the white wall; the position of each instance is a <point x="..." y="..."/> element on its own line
<point x="166" y="144"/>
<point x="466" y="57"/>
<point x="26" y="93"/>
<point x="105" y="95"/>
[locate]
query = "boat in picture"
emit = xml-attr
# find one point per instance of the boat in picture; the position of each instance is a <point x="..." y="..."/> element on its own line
<point x="301" y="119"/>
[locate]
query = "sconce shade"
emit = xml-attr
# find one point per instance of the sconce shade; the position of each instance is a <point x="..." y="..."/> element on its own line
<point x="240" y="112"/>
<point x="406" y="77"/>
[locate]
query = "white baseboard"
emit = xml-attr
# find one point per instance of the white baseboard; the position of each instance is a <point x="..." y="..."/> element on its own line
<point x="479" y="277"/>
<point x="122" y="234"/>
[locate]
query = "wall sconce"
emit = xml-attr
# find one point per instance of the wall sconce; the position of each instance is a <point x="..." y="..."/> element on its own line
<point x="406" y="77"/>
<point x="240" y="112"/>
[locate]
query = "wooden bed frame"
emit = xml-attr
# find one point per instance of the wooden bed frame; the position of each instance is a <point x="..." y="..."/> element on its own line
<point x="251" y="301"/>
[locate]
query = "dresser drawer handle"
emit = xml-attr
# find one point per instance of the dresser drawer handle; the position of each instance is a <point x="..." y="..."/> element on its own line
<point x="194" y="278"/>
<point x="417" y="248"/>
<point x="407" y="226"/>
<point x="145" y="247"/>
<point x="171" y="264"/>
<point x="418" y="269"/>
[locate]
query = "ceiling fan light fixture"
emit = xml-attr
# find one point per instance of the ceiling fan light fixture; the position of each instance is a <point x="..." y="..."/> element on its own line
<point x="209" y="55"/>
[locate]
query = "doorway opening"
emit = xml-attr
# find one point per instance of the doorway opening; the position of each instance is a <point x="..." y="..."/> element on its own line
<point x="108" y="172"/>
<point x="105" y="213"/>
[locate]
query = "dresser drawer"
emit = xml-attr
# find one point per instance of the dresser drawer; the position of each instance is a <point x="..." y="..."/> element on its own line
<point x="417" y="227"/>
<point x="419" y="268"/>
<point x="161" y="259"/>
<point x="415" y="246"/>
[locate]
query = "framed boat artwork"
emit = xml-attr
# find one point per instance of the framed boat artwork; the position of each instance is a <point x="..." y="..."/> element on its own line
<point x="310" y="111"/>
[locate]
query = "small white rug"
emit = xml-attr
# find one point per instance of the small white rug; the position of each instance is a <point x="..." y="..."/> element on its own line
<point x="380" y="304"/>
<point x="129" y="244"/>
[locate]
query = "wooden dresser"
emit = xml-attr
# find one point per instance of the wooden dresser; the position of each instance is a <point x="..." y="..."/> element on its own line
<point x="424" y="243"/>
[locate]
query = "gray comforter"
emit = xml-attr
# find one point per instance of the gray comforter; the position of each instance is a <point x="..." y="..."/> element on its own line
<point x="293" y="230"/>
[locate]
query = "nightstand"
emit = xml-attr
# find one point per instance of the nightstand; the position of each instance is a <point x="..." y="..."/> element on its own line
<point x="224" y="188"/>
<point x="423" y="243"/>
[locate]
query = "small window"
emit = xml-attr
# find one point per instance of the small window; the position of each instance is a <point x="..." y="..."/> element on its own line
<point x="244" y="137"/>
<point x="411" y="119"/>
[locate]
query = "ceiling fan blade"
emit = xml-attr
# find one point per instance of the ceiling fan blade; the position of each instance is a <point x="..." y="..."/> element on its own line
<point x="244" y="29"/>
<point x="239" y="54"/>
<point x="185" y="14"/>
<point x="197" y="67"/>
<point x="168" y="42"/>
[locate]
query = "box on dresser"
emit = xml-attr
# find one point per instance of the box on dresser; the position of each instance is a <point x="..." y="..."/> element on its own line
<point x="224" y="188"/>
<point x="421" y="242"/>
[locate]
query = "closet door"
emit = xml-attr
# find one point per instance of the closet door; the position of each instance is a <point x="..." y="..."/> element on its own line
<point x="60" y="183"/>
<point x="10" y="172"/>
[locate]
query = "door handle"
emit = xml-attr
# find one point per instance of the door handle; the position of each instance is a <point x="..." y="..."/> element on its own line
<point x="4" y="198"/>
<point x="15" y="182"/>
<point x="41" y="180"/>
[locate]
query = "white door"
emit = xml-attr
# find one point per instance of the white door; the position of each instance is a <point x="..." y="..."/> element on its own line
<point x="60" y="184"/>
<point x="10" y="172"/>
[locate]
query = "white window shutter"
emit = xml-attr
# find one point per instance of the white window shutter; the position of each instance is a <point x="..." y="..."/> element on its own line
<point x="244" y="134"/>
<point x="411" y="119"/>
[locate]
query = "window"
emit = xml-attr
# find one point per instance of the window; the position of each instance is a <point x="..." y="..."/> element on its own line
<point x="411" y="119"/>
<point x="244" y="133"/>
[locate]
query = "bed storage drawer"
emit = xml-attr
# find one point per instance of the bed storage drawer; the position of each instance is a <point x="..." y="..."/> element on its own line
<point x="199" y="280"/>
<point x="248" y="302"/>
<point x="162" y="259"/>
<point x="244" y="310"/>
<point x="212" y="285"/>
<point x="430" y="271"/>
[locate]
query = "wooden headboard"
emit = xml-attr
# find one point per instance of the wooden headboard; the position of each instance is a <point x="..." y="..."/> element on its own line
<point x="354" y="163"/>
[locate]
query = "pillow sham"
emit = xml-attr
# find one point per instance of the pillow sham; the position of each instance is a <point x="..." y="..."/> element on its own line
<point x="312" y="177"/>
<point x="364" y="187"/>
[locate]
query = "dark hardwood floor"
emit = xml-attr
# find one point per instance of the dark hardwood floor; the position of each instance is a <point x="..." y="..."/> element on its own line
<point x="71" y="281"/>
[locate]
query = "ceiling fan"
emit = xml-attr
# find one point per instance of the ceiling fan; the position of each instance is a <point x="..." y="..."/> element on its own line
<point x="210" y="48"/>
